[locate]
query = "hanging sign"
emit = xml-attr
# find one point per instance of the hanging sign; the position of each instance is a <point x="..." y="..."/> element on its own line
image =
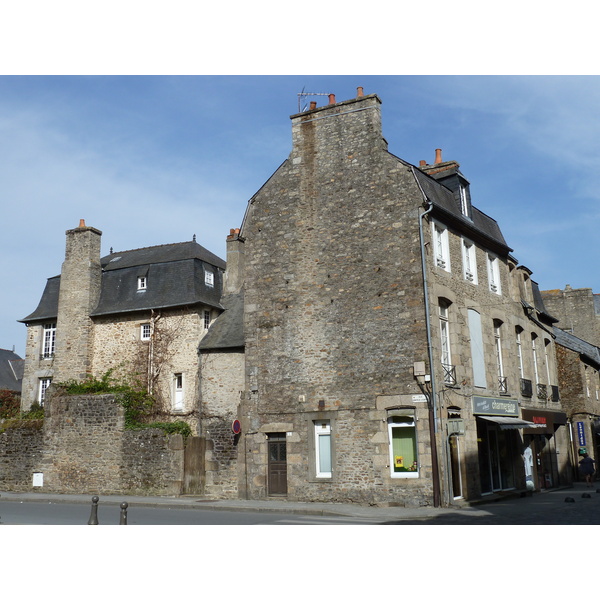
<point x="236" y="427"/>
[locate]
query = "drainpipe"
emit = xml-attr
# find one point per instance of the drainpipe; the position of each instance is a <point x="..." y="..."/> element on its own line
<point x="431" y="401"/>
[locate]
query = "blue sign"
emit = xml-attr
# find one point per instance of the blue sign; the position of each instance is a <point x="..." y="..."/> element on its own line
<point x="581" y="433"/>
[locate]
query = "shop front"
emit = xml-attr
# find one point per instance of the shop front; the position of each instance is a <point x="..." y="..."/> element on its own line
<point x="542" y="448"/>
<point x="499" y="443"/>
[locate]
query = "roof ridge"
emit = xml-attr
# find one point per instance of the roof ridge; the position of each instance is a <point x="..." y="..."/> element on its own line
<point x="155" y="246"/>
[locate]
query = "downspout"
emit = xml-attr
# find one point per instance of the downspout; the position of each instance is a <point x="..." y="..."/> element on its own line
<point x="431" y="401"/>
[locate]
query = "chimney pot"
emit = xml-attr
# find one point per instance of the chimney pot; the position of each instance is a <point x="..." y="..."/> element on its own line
<point x="422" y="163"/>
<point x="331" y="98"/>
<point x="359" y="92"/>
<point x="438" y="156"/>
<point x="81" y="222"/>
<point x="313" y="105"/>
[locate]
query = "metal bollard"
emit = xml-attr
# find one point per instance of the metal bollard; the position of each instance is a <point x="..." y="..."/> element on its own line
<point x="94" y="514"/>
<point x="123" y="520"/>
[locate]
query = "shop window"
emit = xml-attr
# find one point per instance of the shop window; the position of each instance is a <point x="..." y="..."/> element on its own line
<point x="404" y="461"/>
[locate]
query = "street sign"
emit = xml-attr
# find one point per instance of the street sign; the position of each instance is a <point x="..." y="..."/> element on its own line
<point x="236" y="427"/>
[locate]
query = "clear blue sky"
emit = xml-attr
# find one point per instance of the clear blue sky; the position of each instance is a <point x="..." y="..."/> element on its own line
<point x="156" y="159"/>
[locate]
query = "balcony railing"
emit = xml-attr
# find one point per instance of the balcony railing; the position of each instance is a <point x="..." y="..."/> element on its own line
<point x="526" y="388"/>
<point x="449" y="374"/>
<point x="503" y="385"/>
<point x="542" y="391"/>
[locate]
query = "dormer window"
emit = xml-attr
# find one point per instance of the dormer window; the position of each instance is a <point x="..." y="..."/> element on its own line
<point x="464" y="201"/>
<point x="209" y="278"/>
<point x="142" y="283"/>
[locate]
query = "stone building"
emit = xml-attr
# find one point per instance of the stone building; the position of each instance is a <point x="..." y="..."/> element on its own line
<point x="395" y="350"/>
<point x="577" y="311"/>
<point x="138" y="313"/>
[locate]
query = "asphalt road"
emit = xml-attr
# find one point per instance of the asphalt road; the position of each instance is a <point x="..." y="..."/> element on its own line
<point x="64" y="513"/>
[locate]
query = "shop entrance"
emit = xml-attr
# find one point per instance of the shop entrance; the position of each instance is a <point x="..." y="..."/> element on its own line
<point x="496" y="457"/>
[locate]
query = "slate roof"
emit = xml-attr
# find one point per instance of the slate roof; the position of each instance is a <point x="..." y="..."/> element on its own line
<point x="175" y="277"/>
<point x="227" y="331"/>
<point x="11" y="370"/>
<point x="583" y="348"/>
<point x="480" y="226"/>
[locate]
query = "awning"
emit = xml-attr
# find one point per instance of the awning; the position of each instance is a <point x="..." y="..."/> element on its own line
<point x="512" y="423"/>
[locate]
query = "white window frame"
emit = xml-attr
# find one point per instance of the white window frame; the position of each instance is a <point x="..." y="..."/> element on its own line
<point x="209" y="278"/>
<point x="498" y="346"/>
<point x="445" y="352"/>
<point x="206" y="316"/>
<point x="469" y="261"/>
<point x="520" y="352"/>
<point x="494" y="274"/>
<point x="547" y="360"/>
<point x="142" y="282"/>
<point x="322" y="430"/>
<point x="477" y="348"/>
<point x="534" y="337"/>
<point x="178" y="392"/>
<point x="145" y="332"/>
<point x="441" y="246"/>
<point x="391" y="427"/>
<point x="464" y="203"/>
<point x="49" y="341"/>
<point x="44" y="384"/>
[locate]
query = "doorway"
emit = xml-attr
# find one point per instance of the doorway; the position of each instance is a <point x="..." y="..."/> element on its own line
<point x="277" y="464"/>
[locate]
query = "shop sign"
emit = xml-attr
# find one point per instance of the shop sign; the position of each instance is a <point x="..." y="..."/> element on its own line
<point x="539" y="418"/>
<point x="495" y="406"/>
<point x="581" y="433"/>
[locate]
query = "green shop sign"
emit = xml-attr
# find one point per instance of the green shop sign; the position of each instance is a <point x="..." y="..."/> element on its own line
<point x="495" y="406"/>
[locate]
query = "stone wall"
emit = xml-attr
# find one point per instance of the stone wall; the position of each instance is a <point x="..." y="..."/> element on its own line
<point x="83" y="447"/>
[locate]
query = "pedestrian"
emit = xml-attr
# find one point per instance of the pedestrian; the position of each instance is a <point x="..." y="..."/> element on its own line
<point x="586" y="466"/>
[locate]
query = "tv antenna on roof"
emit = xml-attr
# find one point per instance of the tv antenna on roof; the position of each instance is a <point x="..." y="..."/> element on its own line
<point x="302" y="99"/>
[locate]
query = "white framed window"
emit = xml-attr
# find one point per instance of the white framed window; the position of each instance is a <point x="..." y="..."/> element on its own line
<point x="49" y="342"/>
<point x="178" y="391"/>
<point x="446" y="357"/>
<point x="206" y="319"/>
<point x="547" y="360"/>
<point x="404" y="462"/>
<point x="42" y="387"/>
<point x="209" y="278"/>
<point x="441" y="246"/>
<point x="518" y="331"/>
<point x="535" y="358"/>
<point x="469" y="261"/>
<point x="494" y="274"/>
<point x="145" y="332"/>
<point x="142" y="283"/>
<point x="464" y="202"/>
<point x="323" y="465"/>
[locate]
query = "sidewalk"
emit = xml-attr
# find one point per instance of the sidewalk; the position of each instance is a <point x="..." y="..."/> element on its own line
<point x="282" y="506"/>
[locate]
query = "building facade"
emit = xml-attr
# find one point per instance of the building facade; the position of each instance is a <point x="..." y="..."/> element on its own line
<point x="395" y="351"/>
<point x="139" y="314"/>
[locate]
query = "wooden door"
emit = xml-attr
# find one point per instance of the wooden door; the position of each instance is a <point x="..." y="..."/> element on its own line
<point x="277" y="464"/>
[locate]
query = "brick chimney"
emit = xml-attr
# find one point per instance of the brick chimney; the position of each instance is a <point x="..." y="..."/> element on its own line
<point x="80" y="281"/>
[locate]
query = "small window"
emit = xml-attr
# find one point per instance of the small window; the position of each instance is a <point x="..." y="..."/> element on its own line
<point x="145" y="332"/>
<point x="178" y="392"/>
<point x="206" y="319"/>
<point x="323" y="449"/>
<point x="49" y="340"/>
<point x="43" y="386"/>
<point x="209" y="278"/>
<point x="142" y="283"/>
<point x="403" y="447"/>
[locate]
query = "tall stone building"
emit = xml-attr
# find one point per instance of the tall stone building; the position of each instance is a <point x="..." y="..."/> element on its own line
<point x="395" y="350"/>
<point x="138" y="313"/>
